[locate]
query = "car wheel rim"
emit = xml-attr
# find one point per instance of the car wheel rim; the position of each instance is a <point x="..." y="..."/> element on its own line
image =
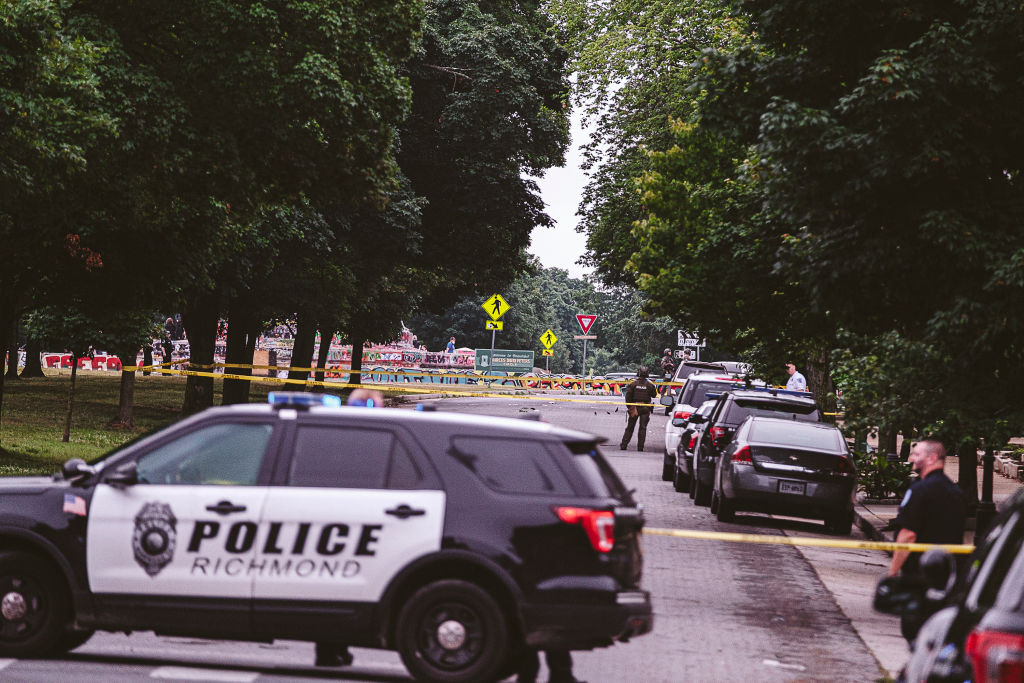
<point x="23" y="608"/>
<point x="451" y="636"/>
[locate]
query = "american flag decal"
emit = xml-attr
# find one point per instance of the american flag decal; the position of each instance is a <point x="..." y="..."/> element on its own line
<point x="74" y="504"/>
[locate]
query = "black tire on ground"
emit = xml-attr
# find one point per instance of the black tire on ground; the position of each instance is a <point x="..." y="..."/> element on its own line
<point x="714" y="501"/>
<point x="73" y="639"/>
<point x="680" y="481"/>
<point x="35" y="606"/>
<point x="726" y="511"/>
<point x="701" y="494"/>
<point x="668" y="467"/>
<point x="693" y="488"/>
<point x="478" y="645"/>
<point x="841" y="524"/>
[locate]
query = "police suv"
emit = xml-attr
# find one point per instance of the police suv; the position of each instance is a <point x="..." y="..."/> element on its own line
<point x="456" y="540"/>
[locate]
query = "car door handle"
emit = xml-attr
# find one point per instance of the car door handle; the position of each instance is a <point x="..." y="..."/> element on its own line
<point x="403" y="511"/>
<point x="225" y="507"/>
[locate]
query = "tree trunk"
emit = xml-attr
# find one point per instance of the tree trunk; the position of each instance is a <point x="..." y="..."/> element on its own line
<point x="200" y="320"/>
<point x="968" y="477"/>
<point x="147" y="356"/>
<point x="33" y="360"/>
<point x="12" y="353"/>
<point x="302" y="351"/>
<point x="252" y="334"/>
<point x="71" y="399"/>
<point x="357" y="338"/>
<point x="908" y="433"/>
<point x="819" y="379"/>
<point x="239" y="331"/>
<point x="326" y="336"/>
<point x="126" y="397"/>
<point x="7" y="320"/>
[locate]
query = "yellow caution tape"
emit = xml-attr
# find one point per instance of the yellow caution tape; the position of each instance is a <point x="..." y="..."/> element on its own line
<point x="806" y="541"/>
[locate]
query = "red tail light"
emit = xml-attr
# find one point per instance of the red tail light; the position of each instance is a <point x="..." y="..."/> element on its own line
<point x="599" y="525"/>
<point x="844" y="466"/>
<point x="743" y="455"/>
<point x="681" y="414"/>
<point x="693" y="442"/>
<point x="996" y="657"/>
<point x="716" y="434"/>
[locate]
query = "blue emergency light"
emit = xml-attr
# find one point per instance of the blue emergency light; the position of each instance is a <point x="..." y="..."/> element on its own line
<point x="302" y="399"/>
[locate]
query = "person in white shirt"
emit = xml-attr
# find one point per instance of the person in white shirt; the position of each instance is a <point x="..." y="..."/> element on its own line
<point x="796" y="381"/>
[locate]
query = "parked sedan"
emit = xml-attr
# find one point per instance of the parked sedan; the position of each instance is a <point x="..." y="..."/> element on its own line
<point x="787" y="467"/>
<point x="679" y="465"/>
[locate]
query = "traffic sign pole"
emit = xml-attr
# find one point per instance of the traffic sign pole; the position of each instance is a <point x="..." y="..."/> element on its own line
<point x="584" y="361"/>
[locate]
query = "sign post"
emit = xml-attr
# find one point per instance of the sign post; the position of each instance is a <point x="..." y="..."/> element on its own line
<point x="586" y="322"/>
<point x="495" y="307"/>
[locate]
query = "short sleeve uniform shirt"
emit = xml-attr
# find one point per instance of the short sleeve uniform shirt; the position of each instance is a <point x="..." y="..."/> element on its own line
<point x="935" y="509"/>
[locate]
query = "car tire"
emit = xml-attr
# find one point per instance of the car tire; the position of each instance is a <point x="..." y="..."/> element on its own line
<point x="680" y="481"/>
<point x="693" y="488"/>
<point x="668" y="468"/>
<point x="471" y="620"/>
<point x="701" y="493"/>
<point x="71" y="640"/>
<point x="840" y="524"/>
<point x="726" y="511"/>
<point x="714" y="502"/>
<point x="35" y="606"/>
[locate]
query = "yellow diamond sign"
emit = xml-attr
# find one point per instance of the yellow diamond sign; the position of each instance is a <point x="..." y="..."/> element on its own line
<point x="548" y="339"/>
<point x="496" y="307"/>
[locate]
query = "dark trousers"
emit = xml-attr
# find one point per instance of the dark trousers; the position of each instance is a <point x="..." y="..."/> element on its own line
<point x="559" y="666"/>
<point x="644" y="417"/>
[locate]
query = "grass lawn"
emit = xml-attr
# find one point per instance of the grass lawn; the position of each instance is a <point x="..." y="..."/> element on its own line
<point x="34" y="412"/>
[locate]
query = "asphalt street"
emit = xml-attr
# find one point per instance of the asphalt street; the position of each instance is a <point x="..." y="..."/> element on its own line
<point x="724" y="611"/>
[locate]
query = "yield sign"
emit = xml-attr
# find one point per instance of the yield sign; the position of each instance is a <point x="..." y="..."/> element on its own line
<point x="585" y="321"/>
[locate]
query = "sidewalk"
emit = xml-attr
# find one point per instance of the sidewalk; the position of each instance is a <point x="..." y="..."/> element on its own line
<point x="872" y="517"/>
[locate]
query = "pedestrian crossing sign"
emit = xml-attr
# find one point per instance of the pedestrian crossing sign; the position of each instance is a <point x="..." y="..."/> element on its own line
<point x="548" y="339"/>
<point x="496" y="306"/>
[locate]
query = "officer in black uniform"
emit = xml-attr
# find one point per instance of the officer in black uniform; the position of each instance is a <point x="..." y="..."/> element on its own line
<point x="640" y="390"/>
<point x="933" y="510"/>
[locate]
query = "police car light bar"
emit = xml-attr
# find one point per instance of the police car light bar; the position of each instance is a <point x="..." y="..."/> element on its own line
<point x="301" y="399"/>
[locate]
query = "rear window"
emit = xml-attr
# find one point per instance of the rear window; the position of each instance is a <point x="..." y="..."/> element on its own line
<point x="510" y="466"/>
<point x="796" y="435"/>
<point x="599" y="475"/>
<point x="696" y="392"/>
<point x="740" y="409"/>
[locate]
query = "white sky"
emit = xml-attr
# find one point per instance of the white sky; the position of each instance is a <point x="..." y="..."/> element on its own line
<point x="561" y="189"/>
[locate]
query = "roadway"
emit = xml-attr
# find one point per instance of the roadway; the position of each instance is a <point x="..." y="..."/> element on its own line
<point x="724" y="611"/>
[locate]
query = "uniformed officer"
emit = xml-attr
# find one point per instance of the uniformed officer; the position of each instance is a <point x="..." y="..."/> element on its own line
<point x="640" y="390"/>
<point x="933" y="510"/>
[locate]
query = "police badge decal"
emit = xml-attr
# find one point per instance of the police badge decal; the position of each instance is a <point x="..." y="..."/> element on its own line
<point x="155" y="537"/>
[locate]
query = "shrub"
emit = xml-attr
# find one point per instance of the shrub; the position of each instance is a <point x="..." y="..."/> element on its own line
<point x="879" y="477"/>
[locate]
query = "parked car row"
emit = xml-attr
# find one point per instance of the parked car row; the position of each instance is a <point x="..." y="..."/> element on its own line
<point x="737" y="445"/>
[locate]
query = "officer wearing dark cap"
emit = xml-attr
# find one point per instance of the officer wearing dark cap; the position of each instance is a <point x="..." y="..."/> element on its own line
<point x="933" y="510"/>
<point x="641" y="390"/>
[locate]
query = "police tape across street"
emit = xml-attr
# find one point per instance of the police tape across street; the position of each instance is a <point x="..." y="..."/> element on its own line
<point x="807" y="541"/>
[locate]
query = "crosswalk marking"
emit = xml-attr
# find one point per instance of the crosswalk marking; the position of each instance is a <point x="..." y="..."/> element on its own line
<point x="190" y="673"/>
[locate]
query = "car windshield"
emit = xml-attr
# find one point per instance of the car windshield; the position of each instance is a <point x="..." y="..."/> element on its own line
<point x="696" y="392"/>
<point x="773" y="409"/>
<point x="795" y="434"/>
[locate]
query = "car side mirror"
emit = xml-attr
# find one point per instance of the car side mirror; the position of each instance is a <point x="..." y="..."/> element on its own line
<point x="75" y="469"/>
<point x="899" y="595"/>
<point x="667" y="400"/>
<point x="125" y="475"/>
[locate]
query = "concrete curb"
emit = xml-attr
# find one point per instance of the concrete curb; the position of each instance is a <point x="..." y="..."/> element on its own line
<point x="869" y="529"/>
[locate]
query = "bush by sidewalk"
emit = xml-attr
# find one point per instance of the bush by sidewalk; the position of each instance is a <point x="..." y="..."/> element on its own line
<point x="880" y="478"/>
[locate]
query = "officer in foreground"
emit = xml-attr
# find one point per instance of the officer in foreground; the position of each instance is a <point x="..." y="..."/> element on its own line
<point x="933" y="510"/>
<point x="641" y="390"/>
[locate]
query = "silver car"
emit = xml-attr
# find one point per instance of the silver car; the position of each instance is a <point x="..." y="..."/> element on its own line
<point x="802" y="469"/>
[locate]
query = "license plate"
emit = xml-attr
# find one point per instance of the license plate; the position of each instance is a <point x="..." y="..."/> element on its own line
<point x="797" y="487"/>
